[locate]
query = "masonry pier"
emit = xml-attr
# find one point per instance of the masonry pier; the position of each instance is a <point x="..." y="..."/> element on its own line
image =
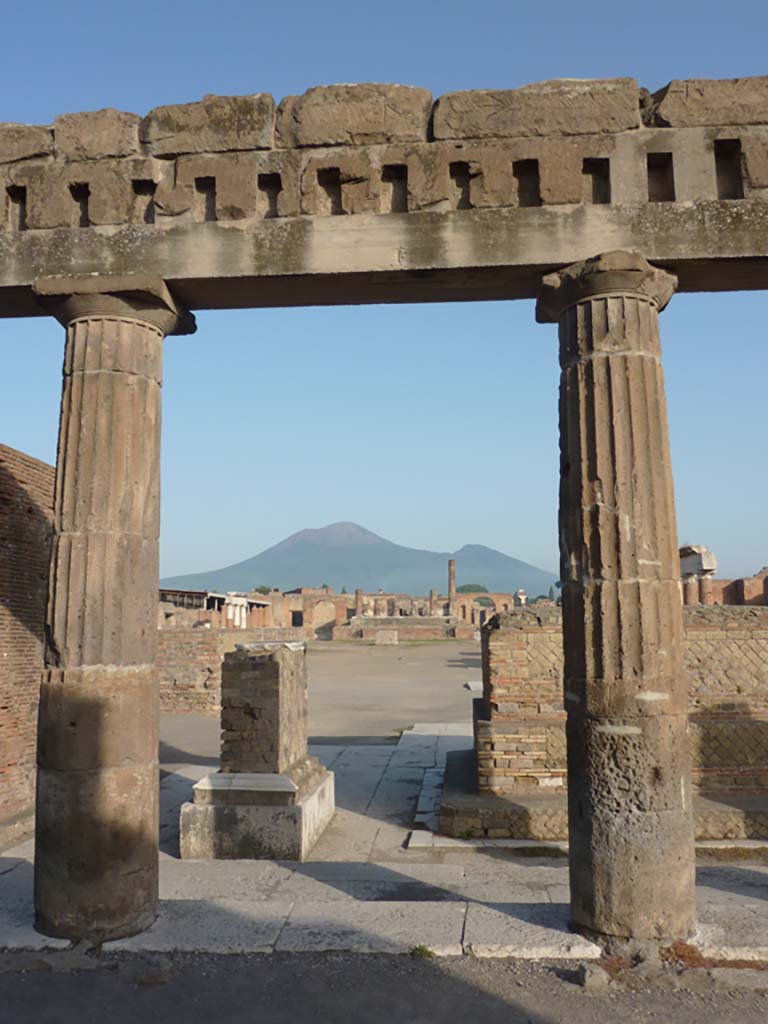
<point x="97" y="784"/>
<point x="629" y="787"/>
<point x="271" y="799"/>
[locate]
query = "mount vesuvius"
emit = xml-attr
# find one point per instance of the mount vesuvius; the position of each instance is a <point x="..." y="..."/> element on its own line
<point x="347" y="555"/>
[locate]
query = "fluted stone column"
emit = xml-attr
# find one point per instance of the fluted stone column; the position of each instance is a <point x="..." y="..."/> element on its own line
<point x="629" y="790"/>
<point x="97" y="784"/>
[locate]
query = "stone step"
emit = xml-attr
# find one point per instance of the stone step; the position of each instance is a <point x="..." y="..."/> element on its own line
<point x="465" y="813"/>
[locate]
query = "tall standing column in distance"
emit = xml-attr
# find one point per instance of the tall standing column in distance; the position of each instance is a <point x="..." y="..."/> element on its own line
<point x="451" y="586"/>
<point x="96" y="837"/>
<point x="629" y="788"/>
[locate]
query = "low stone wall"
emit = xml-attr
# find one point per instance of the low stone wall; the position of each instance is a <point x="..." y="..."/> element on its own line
<point x="26" y="510"/>
<point x="407" y="627"/>
<point x="520" y="720"/>
<point x="189" y="663"/>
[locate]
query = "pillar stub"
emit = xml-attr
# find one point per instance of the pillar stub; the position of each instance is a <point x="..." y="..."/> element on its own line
<point x="611" y="273"/>
<point x="135" y="296"/>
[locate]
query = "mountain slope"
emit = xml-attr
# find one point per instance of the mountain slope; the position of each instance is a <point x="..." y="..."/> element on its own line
<point x="346" y="555"/>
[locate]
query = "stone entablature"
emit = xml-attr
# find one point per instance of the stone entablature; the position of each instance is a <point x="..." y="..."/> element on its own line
<point x="152" y="190"/>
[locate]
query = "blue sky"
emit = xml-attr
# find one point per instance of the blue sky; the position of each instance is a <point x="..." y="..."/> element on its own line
<point x="436" y="425"/>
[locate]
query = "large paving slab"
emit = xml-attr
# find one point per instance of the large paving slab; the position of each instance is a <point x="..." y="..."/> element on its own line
<point x="213" y="926"/>
<point x="221" y="879"/>
<point x="16" y="915"/>
<point x="537" y="931"/>
<point x="374" y="928"/>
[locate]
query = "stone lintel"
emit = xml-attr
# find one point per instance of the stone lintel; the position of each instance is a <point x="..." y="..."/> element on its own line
<point x="133" y="296"/>
<point x="610" y="273"/>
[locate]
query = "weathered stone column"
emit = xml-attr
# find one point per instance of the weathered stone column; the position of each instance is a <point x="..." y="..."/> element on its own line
<point x="358" y="602"/>
<point x="691" y="590"/>
<point x="706" y="596"/>
<point x="451" y="586"/>
<point x="97" y="783"/>
<point x="629" y="790"/>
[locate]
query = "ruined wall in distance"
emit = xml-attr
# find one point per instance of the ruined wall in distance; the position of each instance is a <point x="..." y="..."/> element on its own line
<point x="189" y="663"/>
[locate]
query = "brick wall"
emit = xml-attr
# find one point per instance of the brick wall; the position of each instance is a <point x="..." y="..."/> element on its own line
<point x="26" y="509"/>
<point x="189" y="663"/>
<point x="520" y="720"/>
<point x="263" y="709"/>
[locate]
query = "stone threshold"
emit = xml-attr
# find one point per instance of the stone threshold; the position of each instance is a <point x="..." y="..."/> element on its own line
<point x="443" y="929"/>
<point x="422" y="839"/>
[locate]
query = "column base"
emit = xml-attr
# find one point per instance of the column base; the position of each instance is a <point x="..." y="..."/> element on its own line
<point x="96" y="864"/>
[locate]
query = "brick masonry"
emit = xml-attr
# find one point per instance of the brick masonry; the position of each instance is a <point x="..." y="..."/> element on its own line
<point x="264" y="708"/>
<point x="26" y="510"/>
<point x="189" y="663"/>
<point x="520" y="720"/>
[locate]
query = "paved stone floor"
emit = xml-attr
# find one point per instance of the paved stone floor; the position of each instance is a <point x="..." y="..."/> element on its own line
<point x="368" y="889"/>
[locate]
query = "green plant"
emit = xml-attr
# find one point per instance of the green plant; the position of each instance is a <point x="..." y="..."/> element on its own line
<point x="468" y="833"/>
<point x="422" y="952"/>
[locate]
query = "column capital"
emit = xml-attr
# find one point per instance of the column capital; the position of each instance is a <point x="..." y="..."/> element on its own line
<point x="133" y="296"/>
<point x="610" y="273"/>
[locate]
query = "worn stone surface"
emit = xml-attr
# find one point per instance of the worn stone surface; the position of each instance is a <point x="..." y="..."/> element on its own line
<point x="97" y="133"/>
<point x="756" y="163"/>
<point x="533" y="932"/>
<point x="212" y="125"/>
<point x="219" y="925"/>
<point x="393" y="927"/>
<point x="23" y="141"/>
<point x="249" y="822"/>
<point x="96" y="822"/>
<point x="353" y="115"/>
<point x="630" y="808"/>
<point x="558" y="107"/>
<point x="707" y="101"/>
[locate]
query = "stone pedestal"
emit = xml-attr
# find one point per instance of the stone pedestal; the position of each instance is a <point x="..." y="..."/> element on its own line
<point x="629" y="789"/>
<point x="271" y="799"/>
<point x="97" y="782"/>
